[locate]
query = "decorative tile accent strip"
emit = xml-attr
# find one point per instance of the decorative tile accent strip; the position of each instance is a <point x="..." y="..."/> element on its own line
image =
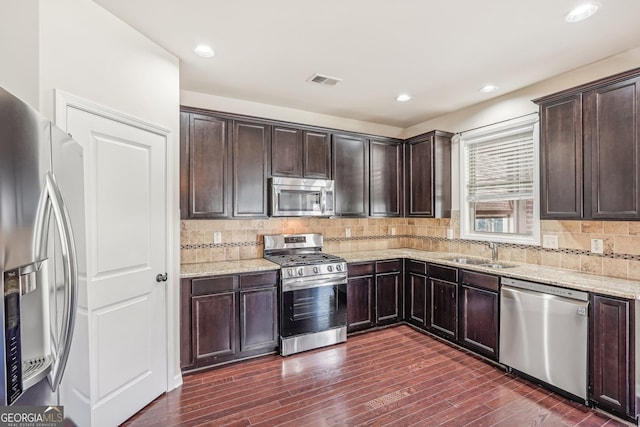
<point x="433" y="239"/>
<point x="221" y="245"/>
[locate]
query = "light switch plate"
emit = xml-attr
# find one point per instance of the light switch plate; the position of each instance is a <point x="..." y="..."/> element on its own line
<point x="550" y="241"/>
<point x="347" y="232"/>
<point x="597" y="246"/>
<point x="217" y="238"/>
<point x="393" y="231"/>
<point x="449" y="233"/>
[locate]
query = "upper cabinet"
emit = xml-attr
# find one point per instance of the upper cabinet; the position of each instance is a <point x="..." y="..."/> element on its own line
<point x="385" y="170"/>
<point x="205" y="167"/>
<point x="590" y="150"/>
<point x="300" y="153"/>
<point x="226" y="161"/>
<point x="250" y="166"/>
<point x="223" y="166"/>
<point x="428" y="175"/>
<point x="561" y="162"/>
<point x="351" y="175"/>
<point x="612" y="135"/>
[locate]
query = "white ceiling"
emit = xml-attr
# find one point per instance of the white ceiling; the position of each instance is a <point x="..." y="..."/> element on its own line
<point x="439" y="51"/>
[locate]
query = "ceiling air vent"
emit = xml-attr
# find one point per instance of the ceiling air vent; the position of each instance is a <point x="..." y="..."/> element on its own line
<point x="324" y="80"/>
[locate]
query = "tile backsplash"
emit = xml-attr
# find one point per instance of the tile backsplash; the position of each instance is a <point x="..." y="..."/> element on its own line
<point x="242" y="239"/>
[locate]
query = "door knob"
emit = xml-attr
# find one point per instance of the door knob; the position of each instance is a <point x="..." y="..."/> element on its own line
<point x="161" y="277"/>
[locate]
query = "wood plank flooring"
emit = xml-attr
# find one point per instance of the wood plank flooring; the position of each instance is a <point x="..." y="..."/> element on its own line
<point x="393" y="377"/>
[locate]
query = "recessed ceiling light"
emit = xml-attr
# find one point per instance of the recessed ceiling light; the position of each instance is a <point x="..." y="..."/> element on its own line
<point x="403" y="97"/>
<point x="204" y="51"/>
<point x="488" y="88"/>
<point x="582" y="12"/>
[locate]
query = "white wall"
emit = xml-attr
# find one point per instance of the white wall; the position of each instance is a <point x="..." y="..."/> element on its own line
<point x="517" y="104"/>
<point x="88" y="52"/>
<point x="19" y="49"/>
<point x="230" y="105"/>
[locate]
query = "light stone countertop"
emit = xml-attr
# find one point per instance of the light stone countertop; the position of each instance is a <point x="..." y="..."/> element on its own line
<point x="611" y="286"/>
<point x="189" y="271"/>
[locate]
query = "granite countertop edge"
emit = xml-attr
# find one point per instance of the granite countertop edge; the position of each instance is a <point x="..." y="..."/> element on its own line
<point x="611" y="286"/>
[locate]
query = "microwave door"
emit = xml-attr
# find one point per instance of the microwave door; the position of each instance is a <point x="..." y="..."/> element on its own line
<point x="297" y="202"/>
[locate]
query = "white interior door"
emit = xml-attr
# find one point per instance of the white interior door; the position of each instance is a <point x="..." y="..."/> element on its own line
<point x="125" y="173"/>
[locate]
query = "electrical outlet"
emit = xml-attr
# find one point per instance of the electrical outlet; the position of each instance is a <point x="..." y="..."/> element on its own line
<point x="550" y="241"/>
<point x="449" y="233"/>
<point x="393" y="231"/>
<point x="217" y="238"/>
<point x="597" y="246"/>
<point x="347" y="232"/>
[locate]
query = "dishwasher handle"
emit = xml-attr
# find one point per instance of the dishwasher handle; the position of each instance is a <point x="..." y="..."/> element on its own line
<point x="545" y="289"/>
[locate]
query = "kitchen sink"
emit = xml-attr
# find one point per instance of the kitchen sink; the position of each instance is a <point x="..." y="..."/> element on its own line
<point x="497" y="265"/>
<point x="471" y="261"/>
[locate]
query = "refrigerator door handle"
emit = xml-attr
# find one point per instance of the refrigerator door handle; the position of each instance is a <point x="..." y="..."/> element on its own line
<point x="51" y="200"/>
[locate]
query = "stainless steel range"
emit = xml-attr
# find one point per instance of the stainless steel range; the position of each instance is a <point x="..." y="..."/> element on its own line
<point x="313" y="292"/>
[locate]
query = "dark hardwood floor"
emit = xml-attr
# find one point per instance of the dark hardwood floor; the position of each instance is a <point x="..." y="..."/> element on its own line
<point x="395" y="377"/>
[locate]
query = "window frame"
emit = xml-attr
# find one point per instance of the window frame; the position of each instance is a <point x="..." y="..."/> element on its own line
<point x="496" y="130"/>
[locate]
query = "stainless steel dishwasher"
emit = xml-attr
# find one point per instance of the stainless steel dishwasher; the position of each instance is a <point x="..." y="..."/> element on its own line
<point x="544" y="333"/>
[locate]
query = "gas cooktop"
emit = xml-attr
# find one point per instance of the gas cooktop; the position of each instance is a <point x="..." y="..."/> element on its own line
<point x="293" y="260"/>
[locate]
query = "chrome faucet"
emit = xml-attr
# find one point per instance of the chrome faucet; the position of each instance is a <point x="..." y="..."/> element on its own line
<point x="494" y="251"/>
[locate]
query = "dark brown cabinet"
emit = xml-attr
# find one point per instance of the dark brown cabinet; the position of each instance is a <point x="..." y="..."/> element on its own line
<point x="225" y="318"/>
<point x="351" y="175"/>
<point x="385" y="180"/>
<point x="389" y="292"/>
<point x="612" y="370"/>
<point x="250" y="145"/>
<point x="562" y="173"/>
<point x="590" y="150"/>
<point x="443" y="301"/>
<point x="360" y="297"/>
<point x="300" y="153"/>
<point x="317" y="154"/>
<point x="428" y="175"/>
<point x="214" y="325"/>
<point x="286" y="152"/>
<point x="479" y="312"/>
<point x="205" y="167"/>
<point x="416" y="293"/>
<point x="612" y="141"/>
<point x="258" y="312"/>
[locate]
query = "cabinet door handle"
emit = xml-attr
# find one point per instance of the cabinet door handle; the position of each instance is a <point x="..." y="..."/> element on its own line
<point x="161" y="277"/>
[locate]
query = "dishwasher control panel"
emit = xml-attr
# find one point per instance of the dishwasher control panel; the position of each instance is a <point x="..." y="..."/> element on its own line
<point x="546" y="289"/>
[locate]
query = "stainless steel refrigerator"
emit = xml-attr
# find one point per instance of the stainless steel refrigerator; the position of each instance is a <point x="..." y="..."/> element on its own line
<point x="41" y="252"/>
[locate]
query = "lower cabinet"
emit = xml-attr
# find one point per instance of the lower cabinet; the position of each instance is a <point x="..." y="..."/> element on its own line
<point x="389" y="292"/>
<point x="612" y="354"/>
<point x="374" y="294"/>
<point x="361" y="296"/>
<point x="224" y="318"/>
<point x="479" y="303"/>
<point x="258" y="317"/>
<point x="416" y="293"/>
<point x="443" y="301"/>
<point x="214" y="325"/>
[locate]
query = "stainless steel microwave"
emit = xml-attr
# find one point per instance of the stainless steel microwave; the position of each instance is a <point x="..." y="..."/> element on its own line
<point x="302" y="197"/>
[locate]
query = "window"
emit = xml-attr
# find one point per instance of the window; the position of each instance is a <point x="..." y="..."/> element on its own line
<point x="499" y="182"/>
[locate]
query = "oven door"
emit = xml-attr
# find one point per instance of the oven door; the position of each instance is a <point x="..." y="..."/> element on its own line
<point x="309" y="309"/>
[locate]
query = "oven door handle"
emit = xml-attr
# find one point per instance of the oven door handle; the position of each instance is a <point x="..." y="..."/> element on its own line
<point x="308" y="284"/>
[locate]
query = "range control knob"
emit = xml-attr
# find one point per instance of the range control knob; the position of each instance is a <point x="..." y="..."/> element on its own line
<point x="300" y="272"/>
<point x="339" y="267"/>
<point x="330" y="268"/>
<point x="316" y="270"/>
<point x="290" y="272"/>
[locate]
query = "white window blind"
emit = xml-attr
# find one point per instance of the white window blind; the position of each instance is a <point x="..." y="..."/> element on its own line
<point x="500" y="166"/>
